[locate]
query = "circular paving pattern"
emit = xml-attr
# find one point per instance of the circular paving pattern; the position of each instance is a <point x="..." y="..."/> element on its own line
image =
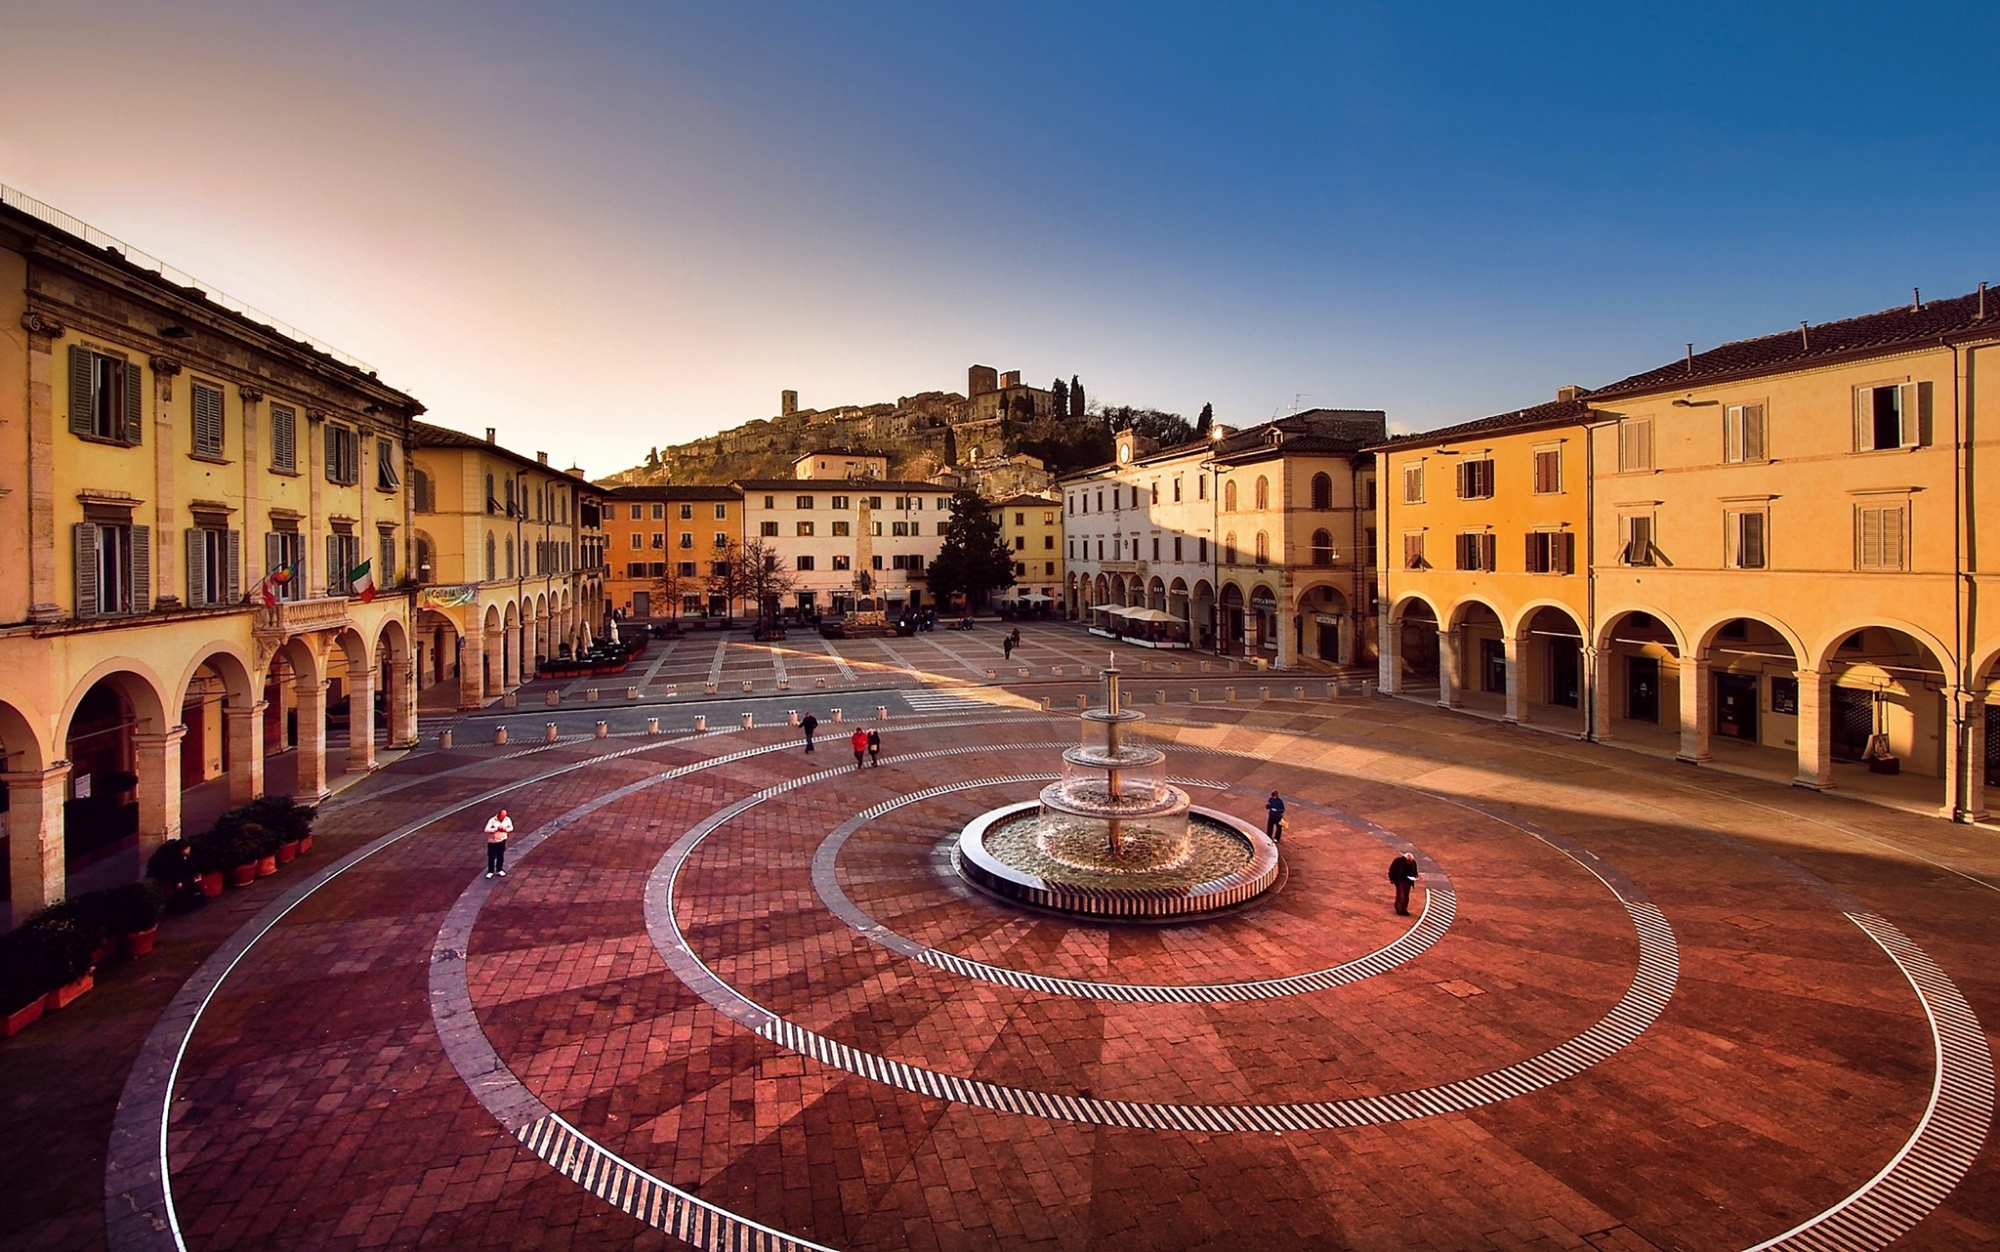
<point x="834" y="955"/>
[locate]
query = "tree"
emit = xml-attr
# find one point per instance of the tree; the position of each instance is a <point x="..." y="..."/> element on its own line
<point x="652" y="458"/>
<point x="973" y="558"/>
<point x="672" y="585"/>
<point x="1165" y="429"/>
<point x="1204" y="422"/>
<point x="751" y="572"/>
<point x="1075" y="397"/>
<point x="1059" y="398"/>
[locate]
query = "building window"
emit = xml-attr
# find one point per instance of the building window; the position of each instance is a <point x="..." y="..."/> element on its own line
<point x="1201" y="548"/>
<point x="1890" y="416"/>
<point x="113" y="568"/>
<point x="1201" y="488"/>
<point x="343" y="556"/>
<point x="770" y="502"/>
<point x="386" y="477"/>
<point x="104" y="397"/>
<point x="803" y="502"/>
<point x="1177" y="547"/>
<point x="1322" y="547"/>
<point x="1551" y="552"/>
<point x="721" y="539"/>
<point x="421" y="499"/>
<point x="214" y="565"/>
<point x="768" y="530"/>
<point x="1548" y="471"/>
<point x="1263" y="493"/>
<point x="635" y="569"/>
<point x="1229" y="548"/>
<point x="1177" y="489"/>
<point x="1748" y="539"/>
<point x="944" y="504"/>
<point x="805" y="562"/>
<point x="343" y="455"/>
<point x="911" y="562"/>
<point x="1229" y="497"/>
<point x="385" y="559"/>
<point x="805" y="529"/>
<point x="1048" y="543"/>
<point x="684" y="569"/>
<point x="842" y="530"/>
<point x="284" y="439"/>
<point x="901" y="528"/>
<point x="1262" y="547"/>
<point x="1478" y="550"/>
<point x="638" y="510"/>
<point x="1322" y="491"/>
<point x="1413" y="484"/>
<point x="840" y="502"/>
<point x="841" y="561"/>
<point x="659" y="512"/>
<point x="1156" y="547"/>
<point x="1879" y="538"/>
<point x="492" y="571"/>
<point x="1100" y="548"/>
<point x="687" y="539"/>
<point x="1635" y="445"/>
<point x="687" y="512"/>
<point x="207" y="403"/>
<point x="1743" y="433"/>
<point x="1156" y="491"/>
<point x="659" y="539"/>
<point x="1368" y="547"/>
<point x="1475" y="479"/>
<point x="1413" y="551"/>
<point x="657" y="569"/>
<point x="1020" y="543"/>
<point x="1635" y="532"/>
<point x="721" y="512"/>
<point x="638" y="540"/>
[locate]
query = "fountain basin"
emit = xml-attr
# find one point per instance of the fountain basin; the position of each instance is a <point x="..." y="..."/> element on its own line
<point x="1223" y="862"/>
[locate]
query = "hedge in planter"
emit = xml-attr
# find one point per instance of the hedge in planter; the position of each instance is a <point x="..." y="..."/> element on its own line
<point x="133" y="912"/>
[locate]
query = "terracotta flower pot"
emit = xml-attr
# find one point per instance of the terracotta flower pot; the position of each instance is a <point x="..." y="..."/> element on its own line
<point x="139" y="943"/>
<point x="103" y="950"/>
<point x="20" y="1019"/>
<point x="305" y="845"/>
<point x="287" y="851"/>
<point x="267" y="866"/>
<point x="243" y="875"/>
<point x="211" y="883"/>
<point x="62" y="996"/>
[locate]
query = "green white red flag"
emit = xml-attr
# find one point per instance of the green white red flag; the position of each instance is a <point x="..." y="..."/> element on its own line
<point x="362" y="579"/>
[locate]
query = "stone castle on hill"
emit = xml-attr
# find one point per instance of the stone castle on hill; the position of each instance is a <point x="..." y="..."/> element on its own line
<point x="959" y="440"/>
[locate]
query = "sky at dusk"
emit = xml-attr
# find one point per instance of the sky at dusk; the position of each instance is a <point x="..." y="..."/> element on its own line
<point x="600" y="227"/>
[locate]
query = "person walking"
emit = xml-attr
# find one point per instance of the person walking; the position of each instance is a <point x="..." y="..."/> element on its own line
<point x="875" y="748"/>
<point x="498" y="827"/>
<point x="1007" y="648"/>
<point x="1274" y="817"/>
<point x="809" y="724"/>
<point x="859" y="742"/>
<point x="1403" y="872"/>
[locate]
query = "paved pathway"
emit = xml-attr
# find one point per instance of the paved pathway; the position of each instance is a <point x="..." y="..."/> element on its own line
<point x="413" y="1054"/>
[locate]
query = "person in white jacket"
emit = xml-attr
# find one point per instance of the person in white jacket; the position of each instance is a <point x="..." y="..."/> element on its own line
<point x="498" y="827"/>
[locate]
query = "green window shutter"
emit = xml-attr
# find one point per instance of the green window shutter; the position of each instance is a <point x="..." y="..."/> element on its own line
<point x="336" y="577"/>
<point x="142" y="569"/>
<point x="84" y="542"/>
<point x="332" y="455"/>
<point x="274" y="551"/>
<point x="233" y="583"/>
<point x="134" y="387"/>
<point x="80" y="411"/>
<point x="207" y="420"/>
<point x="195" y="552"/>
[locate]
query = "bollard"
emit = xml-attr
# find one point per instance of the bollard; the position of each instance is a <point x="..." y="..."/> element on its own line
<point x="784" y="684"/>
<point x="1127" y="701"/>
<point x="444" y="740"/>
<point x="652" y="725"/>
<point x="590" y="695"/>
<point x="881" y="712"/>
<point x="1083" y="702"/>
<point x="631" y="693"/>
<point x="836" y="715"/>
<point x="1055" y="671"/>
<point x="1024" y="671"/>
<point x="673" y="689"/>
<point x="1263" y="693"/>
<point x="819" y="682"/>
<point x="708" y="688"/>
<point x="552" y="699"/>
<point x="1367" y="688"/>
<point x="749" y="720"/>
<point x="603" y="730"/>
<point x="1298" y="693"/>
<point x="992" y="675"/>
<point x="1229" y="695"/>
<point x="1048" y="705"/>
<point x="1204" y="667"/>
<point x="701" y="721"/>
<point x="1159" y="697"/>
<point x="1333" y="690"/>
<point x="510" y="700"/>
<point x="794" y="715"/>
<point x="499" y="734"/>
<point x="746" y="685"/>
<point x="550" y="735"/>
<point x="1177" y="667"/>
<point x="1194" y="695"/>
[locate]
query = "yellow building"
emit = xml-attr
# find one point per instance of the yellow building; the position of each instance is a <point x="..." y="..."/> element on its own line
<point x="665" y="544"/>
<point x="1031" y="528"/>
<point x="160" y="453"/>
<point x="1782" y="539"/>
<point x="504" y="559"/>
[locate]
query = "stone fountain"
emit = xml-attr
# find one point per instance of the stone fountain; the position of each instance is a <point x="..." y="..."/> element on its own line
<point x="1115" y="838"/>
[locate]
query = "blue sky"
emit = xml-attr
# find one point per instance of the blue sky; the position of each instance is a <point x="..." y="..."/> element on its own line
<point x="604" y="226"/>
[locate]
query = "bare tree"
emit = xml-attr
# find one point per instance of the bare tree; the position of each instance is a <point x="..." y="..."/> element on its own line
<point x="674" y="584"/>
<point x="752" y="573"/>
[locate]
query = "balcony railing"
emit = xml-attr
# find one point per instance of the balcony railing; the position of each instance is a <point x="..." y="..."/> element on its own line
<point x="289" y="617"/>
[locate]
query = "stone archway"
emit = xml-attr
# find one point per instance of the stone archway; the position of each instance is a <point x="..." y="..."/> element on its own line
<point x="1878" y="697"/>
<point x="1326" y="624"/>
<point x="1409" y="654"/>
<point x="1550" y="674"/>
<point x="124" y="754"/>
<point x="222" y="746"/>
<point x="1637" y="680"/>
<point x="33" y="820"/>
<point x="396" y="676"/>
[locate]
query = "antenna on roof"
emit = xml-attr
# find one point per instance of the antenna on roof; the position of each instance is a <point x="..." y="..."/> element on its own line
<point x="1804" y="341"/>
<point x="1690" y="358"/>
<point x="1981" y="315"/>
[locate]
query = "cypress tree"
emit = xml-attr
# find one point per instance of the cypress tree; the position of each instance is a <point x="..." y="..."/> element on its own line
<point x="1075" y="397"/>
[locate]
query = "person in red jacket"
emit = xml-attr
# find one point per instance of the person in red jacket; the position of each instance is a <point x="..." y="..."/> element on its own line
<point x="859" y="742"/>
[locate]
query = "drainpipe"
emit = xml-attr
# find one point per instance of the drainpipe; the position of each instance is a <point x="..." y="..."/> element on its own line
<point x="1384" y="601"/>
<point x="1591" y="694"/>
<point x="1962" y="714"/>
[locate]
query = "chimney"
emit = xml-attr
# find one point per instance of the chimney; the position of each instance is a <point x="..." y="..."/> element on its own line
<point x="543" y="457"/>
<point x="489" y="434"/>
<point x="1568" y="393"/>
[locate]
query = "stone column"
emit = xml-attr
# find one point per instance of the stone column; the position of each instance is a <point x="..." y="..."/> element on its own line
<point x="1600" y="664"/>
<point x="1974" y="807"/>
<point x="360" y="720"/>
<point x="510" y="651"/>
<point x="311" y="695"/>
<point x="423" y="649"/>
<point x="159" y="770"/>
<point x="167" y="579"/>
<point x="246" y="752"/>
<point x="1815" y="730"/>
<point x="1517" y="707"/>
<point x="1288" y="635"/>
<point x="45" y="600"/>
<point x="1695" y="714"/>
<point x="35" y="836"/>
<point x="472" y="671"/>
<point x="1448" y="673"/>
<point x="1389" y="656"/>
<point x="402" y="705"/>
<point x="1590" y="691"/>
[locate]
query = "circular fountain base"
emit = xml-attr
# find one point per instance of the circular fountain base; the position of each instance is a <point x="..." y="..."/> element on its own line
<point x="1005" y="852"/>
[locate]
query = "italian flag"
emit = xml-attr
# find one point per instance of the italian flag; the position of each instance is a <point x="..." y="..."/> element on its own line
<point x="362" y="579"/>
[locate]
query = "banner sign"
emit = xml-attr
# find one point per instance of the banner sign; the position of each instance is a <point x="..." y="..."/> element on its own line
<point x="448" y="597"/>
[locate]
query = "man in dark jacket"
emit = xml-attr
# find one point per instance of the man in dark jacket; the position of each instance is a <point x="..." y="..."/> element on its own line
<point x="1274" y="817"/>
<point x="1403" y="872"/>
<point x="809" y="724"/>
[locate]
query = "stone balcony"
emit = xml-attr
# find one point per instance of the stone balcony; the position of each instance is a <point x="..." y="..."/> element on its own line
<point x="1123" y="567"/>
<point x="292" y="617"/>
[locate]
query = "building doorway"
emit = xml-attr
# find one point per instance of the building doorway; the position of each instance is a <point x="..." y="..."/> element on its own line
<point x="1566" y="672"/>
<point x="1993" y="745"/>
<point x="1736" y="706"/>
<point x="1853" y="723"/>
<point x="1493" y="666"/>
<point x="1642" y="689"/>
<point x="642" y="605"/>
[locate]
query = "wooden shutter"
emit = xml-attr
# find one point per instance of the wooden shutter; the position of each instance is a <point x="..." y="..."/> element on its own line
<point x="284" y="438"/>
<point x="142" y="569"/>
<point x="1635" y="444"/>
<point x="274" y="551"/>
<point x="1916" y="405"/>
<point x="1867" y="538"/>
<point x="1489" y="551"/>
<point x="1464" y="476"/>
<point x="1864" y="419"/>
<point x="335" y="576"/>
<point x="195" y="552"/>
<point x="1566" y="551"/>
<point x="1752" y="448"/>
<point x="81" y="412"/>
<point x="1535" y="555"/>
<point x="1413" y="551"/>
<point x="83" y="536"/>
<point x="207" y="420"/>
<point x="134" y="384"/>
<point x="1413" y="484"/>
<point x="232" y="586"/>
<point x="1750" y="540"/>
<point x="332" y="454"/>
<point x="1638" y="540"/>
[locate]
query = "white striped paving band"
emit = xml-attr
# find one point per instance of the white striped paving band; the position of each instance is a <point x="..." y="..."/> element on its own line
<point x="1440" y="907"/>
<point x="633" y="1191"/>
<point x="925" y="700"/>
<point x="1641" y="1005"/>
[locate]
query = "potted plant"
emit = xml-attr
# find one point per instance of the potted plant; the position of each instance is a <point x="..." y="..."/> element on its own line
<point x="25" y="979"/>
<point x="291" y="820"/>
<point x="58" y="942"/>
<point x="243" y="847"/>
<point x="133" y="912"/>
